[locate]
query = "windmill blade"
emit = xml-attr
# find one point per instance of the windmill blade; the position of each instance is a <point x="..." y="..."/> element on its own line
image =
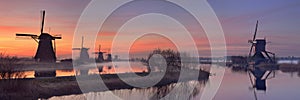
<point x="99" y="52"/>
<point x="23" y="38"/>
<point x="251" y="81"/>
<point x="250" y="77"/>
<point x="253" y="39"/>
<point x="255" y="94"/>
<point x="57" y="37"/>
<point x="76" y="48"/>
<point x="54" y="49"/>
<point x="86" y="48"/>
<point x="31" y="35"/>
<point x="34" y="37"/>
<point x="255" y="32"/>
<point x="82" y="39"/>
<point x="99" y="48"/>
<point x="43" y="21"/>
<point x="250" y="52"/>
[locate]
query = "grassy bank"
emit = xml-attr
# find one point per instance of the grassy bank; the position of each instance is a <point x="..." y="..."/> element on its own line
<point x="48" y="87"/>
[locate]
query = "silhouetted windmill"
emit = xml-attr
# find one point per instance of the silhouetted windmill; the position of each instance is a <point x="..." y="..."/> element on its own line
<point x="45" y="51"/>
<point x="260" y="50"/>
<point x="109" y="57"/>
<point x="100" y="55"/>
<point x="84" y="55"/>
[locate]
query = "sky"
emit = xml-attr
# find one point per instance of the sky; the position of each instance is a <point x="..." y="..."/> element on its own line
<point x="279" y="22"/>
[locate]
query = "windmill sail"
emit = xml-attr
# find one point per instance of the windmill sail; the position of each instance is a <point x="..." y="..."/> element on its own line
<point x="254" y="37"/>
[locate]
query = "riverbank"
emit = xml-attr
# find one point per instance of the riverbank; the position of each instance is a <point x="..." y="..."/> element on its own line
<point x="289" y="67"/>
<point x="34" y="88"/>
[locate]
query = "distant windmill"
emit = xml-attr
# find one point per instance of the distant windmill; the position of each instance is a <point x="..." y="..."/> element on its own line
<point x="100" y="55"/>
<point x="260" y="50"/>
<point x="45" y="52"/>
<point x="84" y="55"/>
<point x="109" y="57"/>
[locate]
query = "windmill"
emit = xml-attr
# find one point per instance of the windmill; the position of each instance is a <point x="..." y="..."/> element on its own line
<point x="84" y="55"/>
<point x="109" y="57"/>
<point x="258" y="83"/>
<point x="45" y="52"/>
<point x="260" y="50"/>
<point x="100" y="55"/>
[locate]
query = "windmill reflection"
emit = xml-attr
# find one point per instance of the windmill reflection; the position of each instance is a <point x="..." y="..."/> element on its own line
<point x="260" y="78"/>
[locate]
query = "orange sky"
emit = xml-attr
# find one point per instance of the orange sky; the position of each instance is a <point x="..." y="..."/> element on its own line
<point x="26" y="18"/>
<point x="62" y="15"/>
<point x="63" y="22"/>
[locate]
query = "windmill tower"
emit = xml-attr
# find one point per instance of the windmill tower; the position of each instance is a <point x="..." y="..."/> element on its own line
<point x="260" y="50"/>
<point x="100" y="55"/>
<point x="84" y="55"/>
<point x="45" y="52"/>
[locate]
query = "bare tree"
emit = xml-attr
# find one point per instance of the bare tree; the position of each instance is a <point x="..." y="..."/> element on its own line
<point x="171" y="57"/>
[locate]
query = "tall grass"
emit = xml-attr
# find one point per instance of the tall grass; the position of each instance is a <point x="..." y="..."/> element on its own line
<point x="12" y="86"/>
<point x="8" y="67"/>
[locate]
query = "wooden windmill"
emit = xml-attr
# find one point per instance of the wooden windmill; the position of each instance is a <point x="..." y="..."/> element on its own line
<point x="45" y="52"/>
<point x="100" y="55"/>
<point x="84" y="55"/>
<point x="260" y="50"/>
<point x="109" y="57"/>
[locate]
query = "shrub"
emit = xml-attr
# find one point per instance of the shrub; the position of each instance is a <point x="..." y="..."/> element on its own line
<point x="172" y="59"/>
<point x="8" y="67"/>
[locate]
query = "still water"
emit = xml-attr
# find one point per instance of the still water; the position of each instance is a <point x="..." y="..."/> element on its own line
<point x="107" y="68"/>
<point x="236" y="85"/>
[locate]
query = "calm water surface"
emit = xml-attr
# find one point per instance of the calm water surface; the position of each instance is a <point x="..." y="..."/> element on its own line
<point x="107" y="68"/>
<point x="236" y="85"/>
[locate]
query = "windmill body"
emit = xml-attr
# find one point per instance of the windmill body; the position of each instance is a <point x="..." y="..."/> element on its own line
<point x="100" y="57"/>
<point x="84" y="55"/>
<point x="45" y="51"/>
<point x="260" y="48"/>
<point x="109" y="57"/>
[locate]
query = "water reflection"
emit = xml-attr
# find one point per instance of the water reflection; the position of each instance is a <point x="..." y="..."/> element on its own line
<point x="257" y="75"/>
<point x="101" y="69"/>
<point x="66" y="72"/>
<point x="260" y="77"/>
<point x="265" y="84"/>
<point x="176" y="91"/>
<point x="235" y="86"/>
